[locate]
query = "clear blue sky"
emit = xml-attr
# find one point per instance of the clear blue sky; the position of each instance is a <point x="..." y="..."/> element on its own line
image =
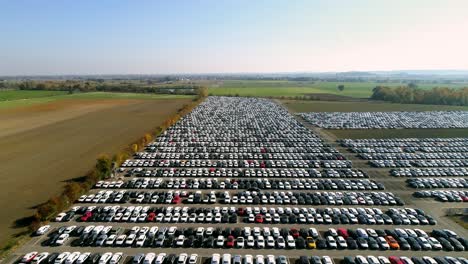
<point x="151" y="37"/>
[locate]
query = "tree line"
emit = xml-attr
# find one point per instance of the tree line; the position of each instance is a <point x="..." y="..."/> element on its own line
<point x="413" y="95"/>
<point x="108" y="86"/>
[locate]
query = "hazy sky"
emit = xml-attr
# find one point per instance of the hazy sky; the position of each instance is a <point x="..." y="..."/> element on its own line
<point x="201" y="36"/>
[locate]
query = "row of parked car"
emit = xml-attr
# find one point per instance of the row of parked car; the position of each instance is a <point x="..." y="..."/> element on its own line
<point x="302" y="215"/>
<point x="214" y="183"/>
<point x="316" y="146"/>
<point x="238" y="156"/>
<point x="243" y="197"/>
<point x="234" y="163"/>
<point x="437" y="183"/>
<point x="403" y="260"/>
<point x="411" y="152"/>
<point x="429" y="172"/>
<point x="413" y="156"/>
<point x="242" y="172"/>
<point x="226" y="258"/>
<point x="387" y="120"/>
<point x="456" y="144"/>
<point x="418" y="163"/>
<point x="257" y="237"/>
<point x="444" y="195"/>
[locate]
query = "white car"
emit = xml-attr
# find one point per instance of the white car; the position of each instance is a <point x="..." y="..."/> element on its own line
<point x="215" y="259"/>
<point x="29" y="257"/>
<point x="59" y="217"/>
<point x="69" y="229"/>
<point x="40" y="257"/>
<point x="61" y="258"/>
<point x="42" y="230"/>
<point x="193" y="259"/>
<point x="83" y="257"/>
<point x="240" y="242"/>
<point x="116" y="258"/>
<point x="182" y="258"/>
<point x="149" y="258"/>
<point x="250" y="241"/>
<point x="291" y="242"/>
<point x="105" y="258"/>
<point x="270" y="241"/>
<point x="260" y="242"/>
<point x="280" y="242"/>
<point x="72" y="257"/>
<point x="62" y="239"/>
<point x="180" y="240"/>
<point x="130" y="239"/>
<point x="140" y="241"/>
<point x="220" y="241"/>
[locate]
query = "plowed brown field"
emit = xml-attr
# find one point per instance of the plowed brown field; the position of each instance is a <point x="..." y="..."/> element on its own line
<point x="44" y="145"/>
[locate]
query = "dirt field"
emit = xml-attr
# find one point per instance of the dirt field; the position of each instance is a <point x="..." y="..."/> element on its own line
<point x="46" y="144"/>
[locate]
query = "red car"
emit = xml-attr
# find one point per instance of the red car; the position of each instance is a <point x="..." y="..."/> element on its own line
<point x="395" y="260"/>
<point x="295" y="233"/>
<point x="343" y="232"/>
<point x="240" y="211"/>
<point x="86" y="216"/>
<point x="176" y="199"/>
<point x="259" y="218"/>
<point x="151" y="217"/>
<point x="230" y="242"/>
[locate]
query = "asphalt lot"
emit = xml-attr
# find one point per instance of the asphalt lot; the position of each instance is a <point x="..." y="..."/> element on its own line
<point x="394" y="185"/>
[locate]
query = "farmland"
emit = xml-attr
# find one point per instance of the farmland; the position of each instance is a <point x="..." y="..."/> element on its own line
<point x="16" y="95"/>
<point x="57" y="138"/>
<point x="286" y="88"/>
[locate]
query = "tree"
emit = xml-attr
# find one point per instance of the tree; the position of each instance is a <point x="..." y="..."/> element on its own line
<point x="341" y="87"/>
<point x="202" y="92"/>
<point x="103" y="166"/>
<point x="72" y="190"/>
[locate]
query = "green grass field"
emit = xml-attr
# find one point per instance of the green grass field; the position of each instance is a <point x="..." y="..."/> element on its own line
<point x="26" y="98"/>
<point x="327" y="106"/>
<point x="17" y="94"/>
<point x="299" y="88"/>
<point x="399" y="133"/>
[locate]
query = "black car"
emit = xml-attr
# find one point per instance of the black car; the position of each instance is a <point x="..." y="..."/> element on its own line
<point x="52" y="257"/>
<point x="349" y="260"/>
<point x="303" y="260"/>
<point x="352" y="244"/>
<point x="321" y="243"/>
<point x="315" y="260"/>
<point x="373" y="243"/>
<point x="171" y="259"/>
<point x="417" y="260"/>
<point x="404" y="245"/>
<point x="446" y="244"/>
<point x="189" y="242"/>
<point x="208" y="242"/>
<point x="300" y="243"/>
<point x="456" y="244"/>
<point x="414" y="243"/>
<point x="441" y="260"/>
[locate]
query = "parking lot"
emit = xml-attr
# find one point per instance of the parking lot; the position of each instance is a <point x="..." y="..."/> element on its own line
<point x="387" y="120"/>
<point x="242" y="176"/>
<point x="437" y="160"/>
